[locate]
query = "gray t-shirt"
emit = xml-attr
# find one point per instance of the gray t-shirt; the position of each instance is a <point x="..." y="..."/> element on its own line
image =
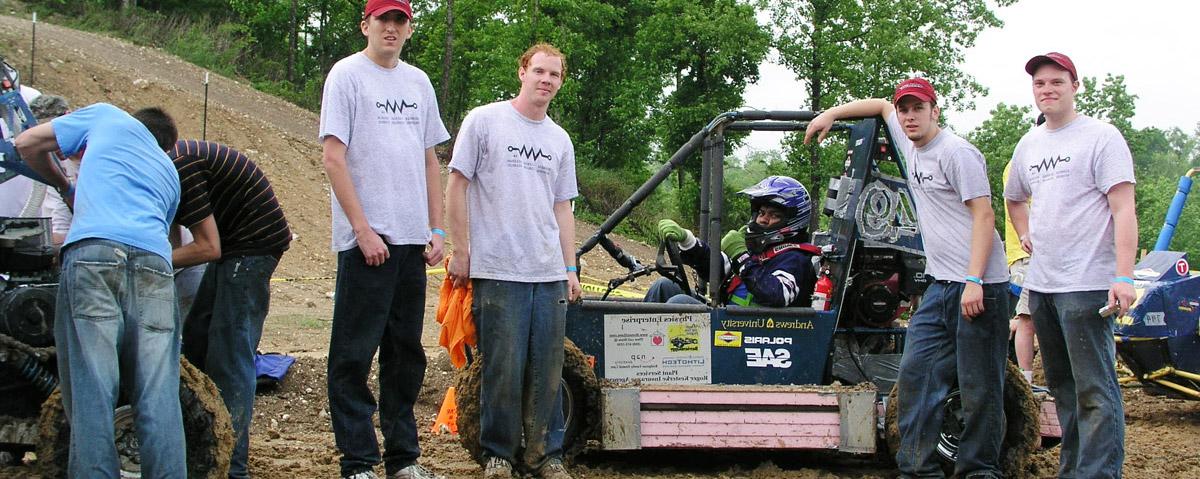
<point x="387" y="117"/>
<point x="1070" y="171"/>
<point x="943" y="175"/>
<point x="518" y="168"/>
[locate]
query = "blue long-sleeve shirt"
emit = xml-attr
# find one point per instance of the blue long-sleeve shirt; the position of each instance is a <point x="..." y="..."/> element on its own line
<point x="786" y="278"/>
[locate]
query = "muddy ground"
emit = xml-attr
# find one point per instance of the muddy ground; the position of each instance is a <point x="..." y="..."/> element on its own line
<point x="292" y="437"/>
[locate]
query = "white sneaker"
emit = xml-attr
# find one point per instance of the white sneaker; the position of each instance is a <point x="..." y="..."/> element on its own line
<point x="362" y="475"/>
<point x="415" y="471"/>
<point x="497" y="468"/>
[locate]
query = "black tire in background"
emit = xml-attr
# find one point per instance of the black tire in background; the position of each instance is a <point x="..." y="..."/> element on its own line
<point x="1021" y="433"/>
<point x="206" y="425"/>
<point x="581" y="403"/>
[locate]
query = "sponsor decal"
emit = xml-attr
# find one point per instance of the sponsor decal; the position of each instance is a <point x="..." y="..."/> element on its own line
<point x="1157" y="318"/>
<point x="728" y="339"/>
<point x="1182" y="267"/>
<point x="683" y="337"/>
<point x="768" y="358"/>
<point x="767" y="340"/>
<point x="1189" y="305"/>
<point x="769" y="323"/>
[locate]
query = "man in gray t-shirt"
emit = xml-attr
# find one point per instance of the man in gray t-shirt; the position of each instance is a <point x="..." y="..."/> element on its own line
<point x="960" y="329"/>
<point x="379" y="124"/>
<point x="1082" y="236"/>
<point x="508" y="201"/>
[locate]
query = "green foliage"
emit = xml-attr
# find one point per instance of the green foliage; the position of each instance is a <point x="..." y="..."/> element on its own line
<point x="996" y="138"/>
<point x="843" y="51"/>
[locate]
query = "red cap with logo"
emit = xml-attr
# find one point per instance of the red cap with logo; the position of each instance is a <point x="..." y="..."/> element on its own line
<point x="376" y="8"/>
<point x="918" y="87"/>
<point x="1056" y="58"/>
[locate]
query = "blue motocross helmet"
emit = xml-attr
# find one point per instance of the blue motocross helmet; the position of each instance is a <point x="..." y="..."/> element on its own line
<point x="785" y="193"/>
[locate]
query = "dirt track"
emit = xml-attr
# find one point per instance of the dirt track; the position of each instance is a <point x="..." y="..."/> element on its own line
<point x="292" y="437"/>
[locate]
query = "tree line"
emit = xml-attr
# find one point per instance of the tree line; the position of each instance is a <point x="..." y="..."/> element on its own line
<point x="644" y="75"/>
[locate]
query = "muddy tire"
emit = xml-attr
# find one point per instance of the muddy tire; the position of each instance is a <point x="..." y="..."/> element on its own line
<point x="206" y="426"/>
<point x="1021" y="434"/>
<point x="581" y="403"/>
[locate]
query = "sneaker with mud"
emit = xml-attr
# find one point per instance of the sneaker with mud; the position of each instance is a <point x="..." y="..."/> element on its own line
<point x="362" y="475"/>
<point x="497" y="468"/>
<point x="554" y="469"/>
<point x="415" y="471"/>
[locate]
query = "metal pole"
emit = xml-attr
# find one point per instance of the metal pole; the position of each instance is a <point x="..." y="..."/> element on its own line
<point x="33" y="49"/>
<point x="204" y="121"/>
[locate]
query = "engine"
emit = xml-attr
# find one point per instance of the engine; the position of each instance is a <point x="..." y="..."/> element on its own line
<point x="880" y="285"/>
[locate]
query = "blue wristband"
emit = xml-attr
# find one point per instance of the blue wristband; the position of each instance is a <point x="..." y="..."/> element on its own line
<point x="439" y="232"/>
<point x="1123" y="279"/>
<point x="573" y="269"/>
<point x="973" y="279"/>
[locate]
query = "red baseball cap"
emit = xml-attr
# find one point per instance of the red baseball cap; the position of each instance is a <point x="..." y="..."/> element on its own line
<point x="1056" y="58"/>
<point x="918" y="87"/>
<point x="376" y="8"/>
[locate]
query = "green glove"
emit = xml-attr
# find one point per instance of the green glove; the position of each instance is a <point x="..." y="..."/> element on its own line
<point x="734" y="244"/>
<point x="670" y="230"/>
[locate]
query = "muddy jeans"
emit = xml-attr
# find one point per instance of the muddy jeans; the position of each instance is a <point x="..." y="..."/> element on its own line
<point x="1079" y="357"/>
<point x="117" y="323"/>
<point x="221" y="334"/>
<point x="521" y="328"/>
<point x="941" y="347"/>
<point x="377" y="308"/>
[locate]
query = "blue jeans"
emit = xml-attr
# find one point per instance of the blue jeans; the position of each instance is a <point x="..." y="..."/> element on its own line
<point x="1079" y="357"/>
<point x="187" y="282"/>
<point x="521" y="328"/>
<point x="117" y="325"/>
<point x="377" y="308"/>
<point x="941" y="348"/>
<point x="221" y="334"/>
<point x="664" y="290"/>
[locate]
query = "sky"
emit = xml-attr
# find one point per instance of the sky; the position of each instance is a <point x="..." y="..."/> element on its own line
<point x="1151" y="42"/>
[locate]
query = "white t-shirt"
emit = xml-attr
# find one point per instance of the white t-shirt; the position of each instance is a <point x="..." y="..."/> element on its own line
<point x="387" y="117"/>
<point x="943" y="175"/>
<point x="518" y="168"/>
<point x="1070" y="171"/>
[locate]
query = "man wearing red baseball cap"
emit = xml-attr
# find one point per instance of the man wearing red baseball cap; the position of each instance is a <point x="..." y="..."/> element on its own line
<point x="379" y="124"/>
<point x="1081" y="171"/>
<point x="960" y="330"/>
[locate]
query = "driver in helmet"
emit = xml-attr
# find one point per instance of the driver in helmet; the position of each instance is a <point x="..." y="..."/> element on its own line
<point x="768" y="262"/>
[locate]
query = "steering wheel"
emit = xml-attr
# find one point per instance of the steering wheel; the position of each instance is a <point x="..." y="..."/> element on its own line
<point x="670" y="266"/>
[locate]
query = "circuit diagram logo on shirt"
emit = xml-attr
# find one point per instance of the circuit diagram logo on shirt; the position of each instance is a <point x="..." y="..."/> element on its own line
<point x="922" y="177"/>
<point x="397" y="112"/>
<point x="1047" y="169"/>
<point x="529" y="153"/>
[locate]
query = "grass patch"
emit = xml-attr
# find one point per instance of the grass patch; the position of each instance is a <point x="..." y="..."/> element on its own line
<point x="301" y="321"/>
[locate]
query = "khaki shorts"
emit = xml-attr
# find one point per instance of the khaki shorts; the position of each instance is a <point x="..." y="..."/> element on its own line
<point x="1016" y="273"/>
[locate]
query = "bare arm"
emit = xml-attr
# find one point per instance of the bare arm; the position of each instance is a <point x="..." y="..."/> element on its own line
<point x="35" y="145"/>
<point x="333" y="155"/>
<point x="433" y="189"/>
<point x="855" y="109"/>
<point x="457" y="220"/>
<point x="1121" y="202"/>
<point x="565" y="216"/>
<point x="1018" y="214"/>
<point x="205" y="245"/>
<point x="983" y="224"/>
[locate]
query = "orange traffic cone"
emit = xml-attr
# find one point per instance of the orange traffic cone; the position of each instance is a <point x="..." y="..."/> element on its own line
<point x="447" y="417"/>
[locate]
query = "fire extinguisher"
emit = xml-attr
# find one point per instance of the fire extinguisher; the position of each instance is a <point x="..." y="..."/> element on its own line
<point x="822" y="292"/>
